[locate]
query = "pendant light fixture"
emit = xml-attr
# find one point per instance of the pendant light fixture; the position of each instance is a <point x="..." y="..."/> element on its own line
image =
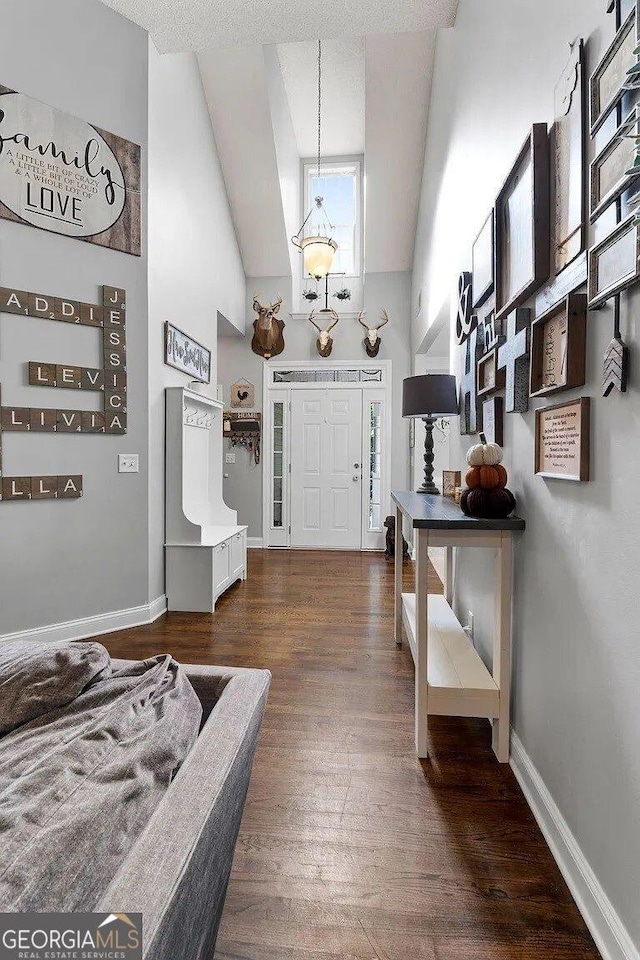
<point x="317" y="249"/>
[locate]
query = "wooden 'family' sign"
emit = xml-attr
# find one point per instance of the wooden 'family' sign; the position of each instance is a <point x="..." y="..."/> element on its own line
<point x="110" y="380"/>
<point x="61" y="174"/>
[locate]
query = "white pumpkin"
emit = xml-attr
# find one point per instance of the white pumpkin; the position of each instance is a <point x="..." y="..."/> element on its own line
<point x="484" y="454"/>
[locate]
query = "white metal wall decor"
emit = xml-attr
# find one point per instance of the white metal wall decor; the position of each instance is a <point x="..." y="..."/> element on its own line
<point x="61" y="174"/>
<point x="109" y="318"/>
<point x="185" y="354"/>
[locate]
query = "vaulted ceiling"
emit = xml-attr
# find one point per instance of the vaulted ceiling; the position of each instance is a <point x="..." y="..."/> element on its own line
<point x="258" y="61"/>
<point x="198" y="24"/>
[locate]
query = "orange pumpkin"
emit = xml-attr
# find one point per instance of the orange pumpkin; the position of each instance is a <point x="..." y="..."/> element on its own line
<point x="492" y="477"/>
<point x="503" y="474"/>
<point x="472" y="478"/>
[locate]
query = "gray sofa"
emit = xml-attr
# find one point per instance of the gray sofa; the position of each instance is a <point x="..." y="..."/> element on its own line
<point x="177" y="872"/>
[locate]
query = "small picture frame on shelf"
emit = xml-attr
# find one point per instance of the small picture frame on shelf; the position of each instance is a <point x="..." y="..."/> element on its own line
<point x="558" y="348"/>
<point x="522" y="225"/>
<point x="614" y="263"/>
<point x="450" y="480"/>
<point x="616" y="168"/>
<point x="490" y="379"/>
<point x="562" y="440"/>
<point x="483" y="263"/>
<point x="608" y="81"/>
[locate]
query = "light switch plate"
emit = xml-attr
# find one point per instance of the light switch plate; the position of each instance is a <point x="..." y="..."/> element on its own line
<point x="128" y="463"/>
<point x="230" y="458"/>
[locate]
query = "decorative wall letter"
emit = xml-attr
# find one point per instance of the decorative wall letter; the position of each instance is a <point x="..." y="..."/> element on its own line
<point x="111" y="380"/>
<point x="513" y="356"/>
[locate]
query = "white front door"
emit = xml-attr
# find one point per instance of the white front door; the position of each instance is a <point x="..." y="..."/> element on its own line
<point x="326" y="468"/>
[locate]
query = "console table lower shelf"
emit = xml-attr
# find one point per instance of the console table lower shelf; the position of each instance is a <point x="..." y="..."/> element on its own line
<point x="459" y="683"/>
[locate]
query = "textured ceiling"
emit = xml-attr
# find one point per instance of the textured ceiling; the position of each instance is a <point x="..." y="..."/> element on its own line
<point x="343" y="94"/>
<point x="179" y="25"/>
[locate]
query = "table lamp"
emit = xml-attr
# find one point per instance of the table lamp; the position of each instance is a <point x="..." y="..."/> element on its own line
<point x="428" y="397"/>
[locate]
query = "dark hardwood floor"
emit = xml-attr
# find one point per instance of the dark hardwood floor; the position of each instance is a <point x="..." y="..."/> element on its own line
<point x="351" y="848"/>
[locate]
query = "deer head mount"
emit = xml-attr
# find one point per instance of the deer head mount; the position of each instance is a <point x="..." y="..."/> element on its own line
<point x="324" y="343"/>
<point x="268" y="339"/>
<point x="372" y="341"/>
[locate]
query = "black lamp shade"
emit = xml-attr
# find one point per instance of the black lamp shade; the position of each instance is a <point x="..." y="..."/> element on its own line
<point x="432" y="394"/>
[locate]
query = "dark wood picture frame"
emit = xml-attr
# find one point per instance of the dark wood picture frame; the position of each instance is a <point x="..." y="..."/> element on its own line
<point x="582" y="455"/>
<point x="621" y="152"/>
<point x="574" y="314"/>
<point x="534" y="154"/>
<point x="613" y="67"/>
<point x="493" y="420"/>
<point x="489" y="362"/>
<point x="483" y="262"/>
<point x="599" y="293"/>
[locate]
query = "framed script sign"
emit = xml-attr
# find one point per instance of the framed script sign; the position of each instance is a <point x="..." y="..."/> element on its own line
<point x="562" y="440"/>
<point x="61" y="174"/>
<point x="186" y="355"/>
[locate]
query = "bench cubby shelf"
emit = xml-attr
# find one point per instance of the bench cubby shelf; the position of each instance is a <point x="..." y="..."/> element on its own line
<point x="206" y="548"/>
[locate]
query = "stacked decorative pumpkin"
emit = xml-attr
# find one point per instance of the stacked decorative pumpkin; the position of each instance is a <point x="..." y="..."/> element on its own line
<point x="486" y="479"/>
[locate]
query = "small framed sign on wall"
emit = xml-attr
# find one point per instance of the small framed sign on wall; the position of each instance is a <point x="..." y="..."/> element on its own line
<point x="186" y="355"/>
<point x="562" y="440"/>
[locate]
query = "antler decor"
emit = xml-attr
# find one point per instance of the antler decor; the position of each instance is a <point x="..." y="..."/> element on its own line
<point x="268" y="338"/>
<point x="324" y="343"/>
<point x="372" y="341"/>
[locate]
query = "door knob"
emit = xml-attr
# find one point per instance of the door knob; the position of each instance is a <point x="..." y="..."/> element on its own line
<point x="356" y="478"/>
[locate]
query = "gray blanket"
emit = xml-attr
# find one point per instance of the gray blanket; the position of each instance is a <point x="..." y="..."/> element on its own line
<point x="79" y="783"/>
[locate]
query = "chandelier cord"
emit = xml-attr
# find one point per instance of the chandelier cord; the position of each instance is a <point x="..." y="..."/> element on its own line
<point x="319" y="101"/>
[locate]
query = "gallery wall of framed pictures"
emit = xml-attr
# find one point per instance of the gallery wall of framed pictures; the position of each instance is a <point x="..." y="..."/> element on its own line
<point x="522" y="323"/>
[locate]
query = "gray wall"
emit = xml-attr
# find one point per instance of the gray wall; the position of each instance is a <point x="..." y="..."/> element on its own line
<point x="194" y="262"/>
<point x="243" y="488"/>
<point x="576" y="633"/>
<point x="63" y="560"/>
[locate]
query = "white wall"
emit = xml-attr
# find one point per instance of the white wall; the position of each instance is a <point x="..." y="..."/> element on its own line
<point x="60" y="561"/>
<point x="243" y="487"/>
<point x="195" y="268"/>
<point x="576" y="634"/>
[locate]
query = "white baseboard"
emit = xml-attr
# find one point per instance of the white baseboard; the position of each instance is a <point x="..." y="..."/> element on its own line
<point x="255" y="543"/>
<point x="606" y="927"/>
<point x="93" y="626"/>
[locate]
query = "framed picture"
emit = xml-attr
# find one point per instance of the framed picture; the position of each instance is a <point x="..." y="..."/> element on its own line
<point x="186" y="355"/>
<point x="568" y="142"/>
<point x="522" y="225"/>
<point x="614" y="263"/>
<point x="490" y="378"/>
<point x="607" y="83"/>
<point x="558" y="348"/>
<point x="483" y="263"/>
<point x="243" y="394"/>
<point x="450" y="480"/>
<point x="562" y="440"/>
<point x="617" y="166"/>
<point x="493" y="420"/>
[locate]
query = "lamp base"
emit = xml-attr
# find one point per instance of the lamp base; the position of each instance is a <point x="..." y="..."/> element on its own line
<point x="428" y="489"/>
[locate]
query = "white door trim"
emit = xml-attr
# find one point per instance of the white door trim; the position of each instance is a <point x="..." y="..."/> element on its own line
<point x="269" y="387"/>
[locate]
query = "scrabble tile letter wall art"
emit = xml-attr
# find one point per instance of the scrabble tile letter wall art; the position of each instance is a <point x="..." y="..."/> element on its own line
<point x="109" y="319"/>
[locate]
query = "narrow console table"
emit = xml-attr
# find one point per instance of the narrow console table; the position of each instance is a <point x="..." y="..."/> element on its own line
<point x="450" y="678"/>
